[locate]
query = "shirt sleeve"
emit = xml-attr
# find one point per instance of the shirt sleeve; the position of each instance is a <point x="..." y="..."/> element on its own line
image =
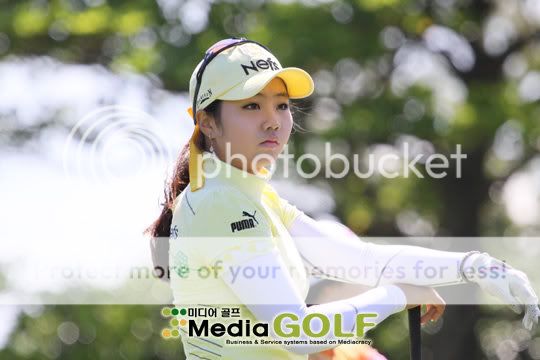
<point x="269" y="296"/>
<point x="229" y="228"/>
<point x="289" y="212"/>
<point x="335" y="252"/>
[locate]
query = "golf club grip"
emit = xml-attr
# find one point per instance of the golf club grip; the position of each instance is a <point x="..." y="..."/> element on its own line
<point x="414" y="333"/>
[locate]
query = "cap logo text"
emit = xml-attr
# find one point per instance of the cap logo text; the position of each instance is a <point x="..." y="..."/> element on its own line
<point x="205" y="96"/>
<point x="260" y="64"/>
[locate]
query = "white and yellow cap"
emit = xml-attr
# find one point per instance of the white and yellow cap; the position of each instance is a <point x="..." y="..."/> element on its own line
<point x="236" y="73"/>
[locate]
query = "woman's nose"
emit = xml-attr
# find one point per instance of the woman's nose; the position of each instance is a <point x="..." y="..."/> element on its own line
<point x="272" y="120"/>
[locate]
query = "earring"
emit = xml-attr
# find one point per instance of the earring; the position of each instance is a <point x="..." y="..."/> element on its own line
<point x="211" y="146"/>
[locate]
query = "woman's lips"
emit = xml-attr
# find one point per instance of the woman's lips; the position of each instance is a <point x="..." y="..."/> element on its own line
<point x="269" y="143"/>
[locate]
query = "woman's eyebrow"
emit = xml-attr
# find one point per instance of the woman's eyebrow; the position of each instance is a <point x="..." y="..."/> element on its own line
<point x="284" y="94"/>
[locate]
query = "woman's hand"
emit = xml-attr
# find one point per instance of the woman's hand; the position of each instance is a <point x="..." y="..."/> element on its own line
<point x="433" y="313"/>
<point x="418" y="295"/>
<point x="501" y="280"/>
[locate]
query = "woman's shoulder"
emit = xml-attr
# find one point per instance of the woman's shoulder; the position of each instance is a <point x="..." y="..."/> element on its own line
<point x="218" y="211"/>
<point x="213" y="196"/>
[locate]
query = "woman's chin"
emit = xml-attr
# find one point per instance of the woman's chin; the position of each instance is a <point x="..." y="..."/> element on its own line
<point x="266" y="162"/>
<point x="272" y="151"/>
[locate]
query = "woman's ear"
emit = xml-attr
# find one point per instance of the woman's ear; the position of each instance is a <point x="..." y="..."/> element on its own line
<point x="207" y="124"/>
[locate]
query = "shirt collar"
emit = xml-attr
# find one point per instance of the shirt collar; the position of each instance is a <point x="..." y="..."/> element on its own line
<point x="251" y="184"/>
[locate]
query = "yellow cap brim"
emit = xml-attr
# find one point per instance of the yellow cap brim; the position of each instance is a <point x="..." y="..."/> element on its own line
<point x="299" y="84"/>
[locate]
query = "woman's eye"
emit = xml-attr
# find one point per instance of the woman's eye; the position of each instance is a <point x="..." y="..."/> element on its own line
<point x="284" y="106"/>
<point x="251" y="106"/>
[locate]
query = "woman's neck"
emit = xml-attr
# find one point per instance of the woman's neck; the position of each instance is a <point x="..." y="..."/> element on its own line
<point x="239" y="164"/>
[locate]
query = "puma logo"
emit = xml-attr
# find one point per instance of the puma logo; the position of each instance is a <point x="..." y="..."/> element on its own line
<point x="246" y="223"/>
<point x="245" y="213"/>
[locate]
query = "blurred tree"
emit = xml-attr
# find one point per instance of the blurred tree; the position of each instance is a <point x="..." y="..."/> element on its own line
<point x="91" y="332"/>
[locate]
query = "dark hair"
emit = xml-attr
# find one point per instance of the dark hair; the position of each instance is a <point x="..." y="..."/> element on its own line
<point x="161" y="227"/>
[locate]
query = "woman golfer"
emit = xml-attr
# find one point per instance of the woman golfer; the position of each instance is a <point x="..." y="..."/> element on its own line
<point x="238" y="247"/>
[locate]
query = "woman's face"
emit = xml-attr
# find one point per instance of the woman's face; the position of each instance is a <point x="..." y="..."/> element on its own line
<point x="247" y="124"/>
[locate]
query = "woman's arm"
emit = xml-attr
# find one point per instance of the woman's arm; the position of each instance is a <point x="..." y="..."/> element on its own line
<point x="270" y="296"/>
<point x="336" y="252"/>
<point x="268" y="288"/>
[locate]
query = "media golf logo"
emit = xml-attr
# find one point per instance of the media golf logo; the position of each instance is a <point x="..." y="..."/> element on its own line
<point x="175" y="323"/>
<point x="288" y="328"/>
<point x="179" y="318"/>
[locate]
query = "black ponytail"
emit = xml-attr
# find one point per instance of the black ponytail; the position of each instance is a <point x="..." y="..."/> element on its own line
<point x="160" y="229"/>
